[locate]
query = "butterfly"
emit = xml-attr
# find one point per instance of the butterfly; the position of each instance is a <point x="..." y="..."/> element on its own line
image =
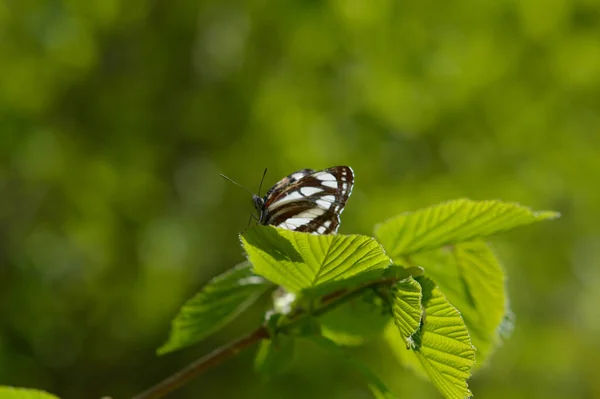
<point x="307" y="200"/>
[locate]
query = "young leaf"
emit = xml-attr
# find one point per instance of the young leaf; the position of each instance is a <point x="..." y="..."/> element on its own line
<point x="366" y="317"/>
<point x="442" y="344"/>
<point x="274" y="355"/>
<point x="405" y="355"/>
<point x="377" y="387"/>
<point x="307" y="262"/>
<point x="452" y="222"/>
<point x="219" y="302"/>
<point x="24" y="393"/>
<point x="406" y="307"/>
<point x="472" y="279"/>
<point x="356" y="321"/>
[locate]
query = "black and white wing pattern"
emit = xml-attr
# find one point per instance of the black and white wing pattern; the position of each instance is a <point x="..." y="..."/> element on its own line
<point x="307" y="200"/>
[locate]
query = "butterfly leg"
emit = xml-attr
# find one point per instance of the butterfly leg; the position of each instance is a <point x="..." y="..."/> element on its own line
<point x="252" y="216"/>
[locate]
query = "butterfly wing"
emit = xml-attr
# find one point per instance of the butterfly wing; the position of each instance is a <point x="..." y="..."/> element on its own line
<point x="309" y="201"/>
<point x="287" y="181"/>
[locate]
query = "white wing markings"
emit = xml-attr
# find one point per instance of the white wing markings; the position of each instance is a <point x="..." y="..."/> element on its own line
<point x="308" y="191"/>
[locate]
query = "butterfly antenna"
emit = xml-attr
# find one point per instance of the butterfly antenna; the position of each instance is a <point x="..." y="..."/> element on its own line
<point x="253" y="195"/>
<point x="236" y="183"/>
<point x="261" y="180"/>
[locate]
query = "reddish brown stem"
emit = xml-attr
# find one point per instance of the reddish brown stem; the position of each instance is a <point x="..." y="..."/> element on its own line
<point x="196" y="368"/>
<point x="192" y="370"/>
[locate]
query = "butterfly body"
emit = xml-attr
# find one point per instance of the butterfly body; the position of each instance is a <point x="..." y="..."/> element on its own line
<point x="307" y="200"/>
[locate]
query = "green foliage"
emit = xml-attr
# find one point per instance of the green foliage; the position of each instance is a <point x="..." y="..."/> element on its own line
<point x="442" y="344"/>
<point x="117" y="116"/>
<point x="377" y="387"/>
<point x="219" y="302"/>
<point x="470" y="276"/>
<point x="467" y="272"/>
<point x="274" y="355"/>
<point x="322" y="278"/>
<point x="23" y="393"/>
<point x="357" y="321"/>
<point x="450" y="223"/>
<point x="407" y="298"/>
<point x="310" y="263"/>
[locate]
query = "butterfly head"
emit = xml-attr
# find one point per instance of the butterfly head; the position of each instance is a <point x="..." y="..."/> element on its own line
<point x="259" y="202"/>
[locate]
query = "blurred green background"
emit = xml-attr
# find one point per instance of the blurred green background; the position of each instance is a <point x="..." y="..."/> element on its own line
<point x="116" y="118"/>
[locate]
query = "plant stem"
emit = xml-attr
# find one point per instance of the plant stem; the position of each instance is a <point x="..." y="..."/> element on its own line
<point x="197" y="367"/>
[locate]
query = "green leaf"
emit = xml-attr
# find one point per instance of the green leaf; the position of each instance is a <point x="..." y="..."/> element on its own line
<point x="274" y="355"/>
<point x="471" y="277"/>
<point x="312" y="263"/>
<point x="356" y="321"/>
<point x="452" y="222"/>
<point x="23" y="393"/>
<point x="442" y="344"/>
<point x="406" y="308"/>
<point x="377" y="387"/>
<point x="404" y="354"/>
<point x="219" y="302"/>
<point x="364" y="318"/>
